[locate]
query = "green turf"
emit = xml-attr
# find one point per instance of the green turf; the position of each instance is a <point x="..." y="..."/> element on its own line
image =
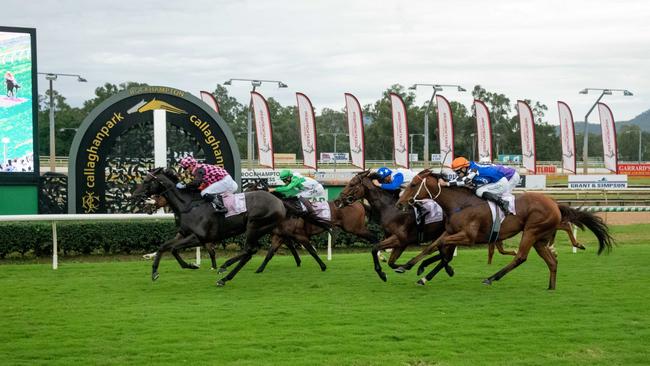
<point x="111" y="313"/>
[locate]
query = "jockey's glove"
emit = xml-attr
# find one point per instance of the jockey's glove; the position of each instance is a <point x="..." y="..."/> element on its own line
<point x="180" y="185"/>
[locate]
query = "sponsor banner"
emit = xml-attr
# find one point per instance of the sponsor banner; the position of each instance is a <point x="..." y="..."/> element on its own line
<point x="634" y="169"/>
<point x="608" y="134"/>
<point x="436" y="158"/>
<point x="355" y="129"/>
<point x="271" y="177"/>
<point x="400" y="131"/>
<point x="445" y="130"/>
<point x="527" y="129"/>
<point x="509" y="159"/>
<point x="343" y="158"/>
<point x="545" y="169"/>
<point x="210" y="100"/>
<point x="323" y="176"/>
<point x="568" y="137"/>
<point x="307" y="121"/>
<point x="284" y="158"/>
<point x="597" y="181"/>
<point x="414" y="157"/>
<point x="263" y="130"/>
<point x="484" y="130"/>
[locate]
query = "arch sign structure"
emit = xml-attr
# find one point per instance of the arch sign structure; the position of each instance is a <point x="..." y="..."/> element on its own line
<point x="140" y="105"/>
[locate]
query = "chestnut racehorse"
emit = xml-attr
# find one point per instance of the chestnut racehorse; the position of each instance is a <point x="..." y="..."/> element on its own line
<point x="469" y="222"/>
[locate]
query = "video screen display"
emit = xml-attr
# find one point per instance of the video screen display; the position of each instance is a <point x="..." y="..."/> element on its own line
<point x="17" y="98"/>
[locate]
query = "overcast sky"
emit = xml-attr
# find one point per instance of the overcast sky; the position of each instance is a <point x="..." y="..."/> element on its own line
<point x="539" y="50"/>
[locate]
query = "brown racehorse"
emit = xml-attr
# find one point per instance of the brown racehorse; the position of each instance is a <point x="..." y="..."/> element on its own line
<point x="469" y="222"/>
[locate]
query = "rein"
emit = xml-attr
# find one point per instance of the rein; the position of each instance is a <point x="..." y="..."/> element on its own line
<point x="188" y="206"/>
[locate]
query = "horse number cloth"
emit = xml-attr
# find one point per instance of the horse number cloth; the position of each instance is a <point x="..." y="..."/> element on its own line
<point x="235" y="203"/>
<point x="498" y="216"/>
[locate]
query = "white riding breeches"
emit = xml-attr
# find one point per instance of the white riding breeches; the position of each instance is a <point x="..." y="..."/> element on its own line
<point x="512" y="183"/>
<point x="226" y="185"/>
<point x="499" y="187"/>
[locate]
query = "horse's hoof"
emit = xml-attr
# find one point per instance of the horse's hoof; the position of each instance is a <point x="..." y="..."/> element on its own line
<point x="323" y="268"/>
<point x="194" y="266"/>
<point x="222" y="270"/>
<point x="400" y="270"/>
<point x="450" y="271"/>
<point x="213" y="269"/>
<point x="154" y="276"/>
<point x="259" y="270"/>
<point x="421" y="282"/>
<point x="382" y="275"/>
<point x="487" y="281"/>
<point x="581" y="247"/>
<point x="298" y="264"/>
<point x="221" y="283"/>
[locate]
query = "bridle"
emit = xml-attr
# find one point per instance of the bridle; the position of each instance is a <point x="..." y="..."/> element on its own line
<point x="413" y="200"/>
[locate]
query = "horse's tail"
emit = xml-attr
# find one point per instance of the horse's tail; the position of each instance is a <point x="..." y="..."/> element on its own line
<point x="594" y="223"/>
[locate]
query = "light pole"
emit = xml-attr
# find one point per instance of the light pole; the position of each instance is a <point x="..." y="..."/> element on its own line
<point x="411" y="137"/>
<point x="249" y="137"/>
<point x="5" y="141"/>
<point x="498" y="136"/>
<point x="436" y="88"/>
<point x="51" y="76"/>
<point x="585" y="138"/>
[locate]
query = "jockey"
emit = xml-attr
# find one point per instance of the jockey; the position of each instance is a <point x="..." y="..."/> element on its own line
<point x="491" y="181"/>
<point x="297" y="185"/>
<point x="212" y="180"/>
<point x="303" y="189"/>
<point x="393" y="180"/>
<point x="510" y="173"/>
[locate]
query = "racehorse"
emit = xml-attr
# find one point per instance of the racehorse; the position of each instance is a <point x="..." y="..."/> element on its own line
<point x="400" y="227"/>
<point x="200" y="224"/>
<point x="469" y="222"/>
<point x="294" y="228"/>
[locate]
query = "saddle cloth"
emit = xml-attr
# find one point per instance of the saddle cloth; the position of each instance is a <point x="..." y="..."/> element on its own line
<point x="433" y="211"/>
<point x="234" y="203"/>
<point x="322" y="210"/>
<point x="511" y="206"/>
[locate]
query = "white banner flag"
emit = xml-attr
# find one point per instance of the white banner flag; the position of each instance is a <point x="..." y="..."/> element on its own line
<point x="210" y="100"/>
<point x="608" y="133"/>
<point x="483" y="129"/>
<point x="355" y="130"/>
<point x="445" y="130"/>
<point x="263" y="130"/>
<point x="527" y="129"/>
<point x="568" y="136"/>
<point x="400" y="131"/>
<point x="307" y="121"/>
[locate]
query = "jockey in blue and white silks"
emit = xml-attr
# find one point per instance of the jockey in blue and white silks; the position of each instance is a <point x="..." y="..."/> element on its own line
<point x="490" y="180"/>
<point x="394" y="180"/>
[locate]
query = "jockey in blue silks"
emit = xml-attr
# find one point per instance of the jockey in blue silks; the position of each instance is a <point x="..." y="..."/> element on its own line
<point x="491" y="182"/>
<point x="393" y="180"/>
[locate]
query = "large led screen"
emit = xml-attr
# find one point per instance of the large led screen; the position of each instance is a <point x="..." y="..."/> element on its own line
<point x="18" y="95"/>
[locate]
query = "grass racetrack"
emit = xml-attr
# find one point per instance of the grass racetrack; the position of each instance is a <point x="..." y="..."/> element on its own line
<point x="110" y="313"/>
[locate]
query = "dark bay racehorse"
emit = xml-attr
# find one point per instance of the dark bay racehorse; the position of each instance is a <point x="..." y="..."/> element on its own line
<point x="469" y="222"/>
<point x="295" y="229"/>
<point x="400" y="227"/>
<point x="200" y="224"/>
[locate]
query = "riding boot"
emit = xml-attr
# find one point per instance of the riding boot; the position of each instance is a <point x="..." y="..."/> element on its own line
<point x="503" y="204"/>
<point x="217" y="202"/>
<point x="312" y="216"/>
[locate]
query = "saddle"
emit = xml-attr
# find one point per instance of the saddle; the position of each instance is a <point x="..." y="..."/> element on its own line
<point x="301" y="207"/>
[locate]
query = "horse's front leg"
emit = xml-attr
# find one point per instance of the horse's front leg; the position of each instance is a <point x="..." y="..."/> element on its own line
<point x="426" y="251"/>
<point x="169" y="244"/>
<point x="276" y="242"/>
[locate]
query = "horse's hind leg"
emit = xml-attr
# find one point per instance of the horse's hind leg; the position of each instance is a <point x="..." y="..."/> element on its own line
<point x="276" y="241"/>
<point x="312" y="251"/>
<point x="545" y="252"/>
<point x="445" y="256"/>
<point x="527" y="241"/>
<point x="230" y="261"/>
<point x="569" y="230"/>
<point x="253" y="235"/>
<point x="294" y="253"/>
